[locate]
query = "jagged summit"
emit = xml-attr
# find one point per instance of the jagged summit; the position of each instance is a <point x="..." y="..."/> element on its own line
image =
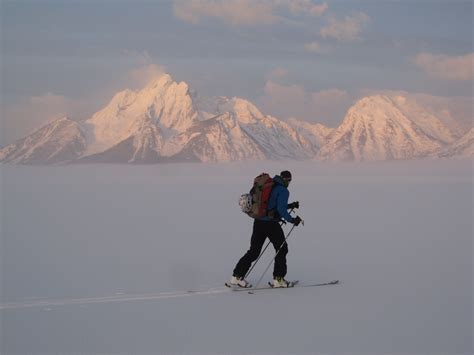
<point x="159" y="82"/>
<point x="165" y="82"/>
<point x="166" y="121"/>
<point x="246" y="111"/>
<point x="163" y="103"/>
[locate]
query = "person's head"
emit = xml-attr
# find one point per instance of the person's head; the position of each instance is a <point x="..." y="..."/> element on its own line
<point x="286" y="177"/>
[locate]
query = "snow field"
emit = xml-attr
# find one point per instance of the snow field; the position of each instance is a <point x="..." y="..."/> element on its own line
<point x="397" y="235"/>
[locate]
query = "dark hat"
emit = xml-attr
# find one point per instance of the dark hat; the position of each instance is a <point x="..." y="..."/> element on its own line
<point x="286" y="175"/>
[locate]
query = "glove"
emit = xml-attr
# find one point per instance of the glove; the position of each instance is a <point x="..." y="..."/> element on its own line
<point x="294" y="205"/>
<point x="296" y="221"/>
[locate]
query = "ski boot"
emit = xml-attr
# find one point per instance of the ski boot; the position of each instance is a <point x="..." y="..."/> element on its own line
<point x="280" y="282"/>
<point x="239" y="281"/>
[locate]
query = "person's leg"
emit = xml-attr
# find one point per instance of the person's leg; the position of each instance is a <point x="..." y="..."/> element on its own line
<point x="277" y="237"/>
<point x="256" y="244"/>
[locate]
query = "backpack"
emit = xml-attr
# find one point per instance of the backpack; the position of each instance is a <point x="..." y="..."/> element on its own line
<point x="255" y="203"/>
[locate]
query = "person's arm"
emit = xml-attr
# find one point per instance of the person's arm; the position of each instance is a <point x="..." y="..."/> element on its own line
<point x="293" y="205"/>
<point x="282" y="203"/>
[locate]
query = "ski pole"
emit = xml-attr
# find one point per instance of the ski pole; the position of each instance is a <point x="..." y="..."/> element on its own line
<point x="270" y="264"/>
<point x="256" y="261"/>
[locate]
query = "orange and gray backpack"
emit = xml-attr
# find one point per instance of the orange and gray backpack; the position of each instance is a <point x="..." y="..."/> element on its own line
<point x="255" y="203"/>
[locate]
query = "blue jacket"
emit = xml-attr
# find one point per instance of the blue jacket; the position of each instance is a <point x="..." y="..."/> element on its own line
<point x="279" y="200"/>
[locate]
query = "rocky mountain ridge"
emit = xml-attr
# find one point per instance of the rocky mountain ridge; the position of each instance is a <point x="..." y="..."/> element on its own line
<point x="166" y="121"/>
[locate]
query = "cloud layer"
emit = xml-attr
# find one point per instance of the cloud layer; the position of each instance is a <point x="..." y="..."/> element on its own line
<point x="137" y="78"/>
<point x="33" y="112"/>
<point x="244" y="12"/>
<point x="238" y="13"/>
<point x="347" y="29"/>
<point x="316" y="47"/>
<point x="30" y="113"/>
<point x="447" y="67"/>
<point x="232" y="12"/>
<point x="285" y="101"/>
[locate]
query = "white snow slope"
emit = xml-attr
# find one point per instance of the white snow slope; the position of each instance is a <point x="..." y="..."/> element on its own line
<point x="60" y="141"/>
<point x="384" y="128"/>
<point x="98" y="260"/>
<point x="461" y="148"/>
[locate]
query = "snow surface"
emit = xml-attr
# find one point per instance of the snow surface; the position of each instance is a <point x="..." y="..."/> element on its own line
<point x="98" y="259"/>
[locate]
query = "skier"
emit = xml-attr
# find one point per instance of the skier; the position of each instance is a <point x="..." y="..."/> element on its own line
<point x="270" y="227"/>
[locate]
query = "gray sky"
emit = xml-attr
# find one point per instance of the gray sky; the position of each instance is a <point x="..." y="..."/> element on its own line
<point x="300" y="58"/>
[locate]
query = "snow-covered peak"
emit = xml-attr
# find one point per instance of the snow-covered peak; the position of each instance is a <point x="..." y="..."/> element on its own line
<point x="379" y="127"/>
<point x="59" y="141"/>
<point x="245" y="111"/>
<point x="120" y="100"/>
<point x="378" y="108"/>
<point x="370" y="108"/>
<point x="167" y="120"/>
<point x="162" y="84"/>
<point x="164" y="102"/>
<point x="159" y="82"/>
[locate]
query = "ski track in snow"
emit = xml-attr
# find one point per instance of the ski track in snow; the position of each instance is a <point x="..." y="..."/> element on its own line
<point x="133" y="297"/>
<point x="110" y="299"/>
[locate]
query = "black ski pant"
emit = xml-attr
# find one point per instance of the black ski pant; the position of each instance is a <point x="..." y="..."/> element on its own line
<point x="262" y="230"/>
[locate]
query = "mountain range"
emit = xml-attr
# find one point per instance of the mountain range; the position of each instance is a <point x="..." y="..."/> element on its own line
<point x="166" y="121"/>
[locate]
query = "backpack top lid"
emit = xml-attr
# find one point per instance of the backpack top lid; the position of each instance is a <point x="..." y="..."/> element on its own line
<point x="262" y="179"/>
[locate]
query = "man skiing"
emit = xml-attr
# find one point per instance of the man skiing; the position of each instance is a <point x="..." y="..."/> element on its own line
<point x="270" y="227"/>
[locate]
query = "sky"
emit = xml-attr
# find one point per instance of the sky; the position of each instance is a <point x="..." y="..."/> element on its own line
<point x="305" y="59"/>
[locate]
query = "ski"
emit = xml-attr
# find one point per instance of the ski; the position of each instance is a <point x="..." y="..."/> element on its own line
<point x="296" y="285"/>
<point x="334" y="282"/>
